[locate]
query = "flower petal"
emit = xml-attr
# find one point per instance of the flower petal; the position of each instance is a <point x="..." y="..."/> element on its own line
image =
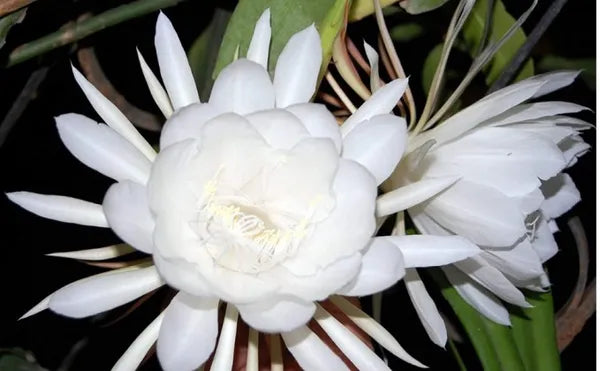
<point x="421" y="251"/>
<point x="412" y="194"/>
<point x="426" y="309"/>
<point x="554" y="81"/>
<point x="280" y="128"/>
<point x="223" y="358"/>
<point x="373" y="57"/>
<point x="258" y="51"/>
<point x="39" y="307"/>
<point x="182" y="275"/>
<point x="531" y="111"/>
<point x="377" y="144"/>
<point x="560" y="194"/>
<point x="318" y="121"/>
<point x="126" y="208"/>
<point x="113" y="117"/>
<point x="174" y="67"/>
<point x="187" y="123"/>
<point x="277" y="314"/>
<point x="188" y="332"/>
<point x="297" y="68"/>
<point x="310" y="351"/>
<point x="381" y="102"/>
<point x="520" y="263"/>
<point x="134" y="355"/>
<point x="60" y="208"/>
<point x="156" y="89"/>
<point x="544" y="244"/>
<point x="102" y="149"/>
<point x="243" y="87"/>
<point x="100" y="293"/>
<point x="382" y="266"/>
<point x="477" y="297"/>
<point x="100" y="253"/>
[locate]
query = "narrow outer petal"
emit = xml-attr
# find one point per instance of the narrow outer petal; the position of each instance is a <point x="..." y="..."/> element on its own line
<point x="156" y="89"/>
<point x="258" y="51"/>
<point x="310" y="351"/>
<point x="136" y="352"/>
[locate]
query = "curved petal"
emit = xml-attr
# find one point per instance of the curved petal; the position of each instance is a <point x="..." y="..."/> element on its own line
<point x="103" y="292"/>
<point x="156" y="90"/>
<point x="520" y="263"/>
<point x="543" y="243"/>
<point x="182" y="275"/>
<point x="188" y="332"/>
<point x="174" y="67"/>
<point x="532" y="111"/>
<point x="377" y="144"/>
<point x="100" y="253"/>
<point x="258" y="51"/>
<point x="319" y="122"/>
<point x="280" y="128"/>
<point x="243" y="87"/>
<point x="131" y="359"/>
<point x="277" y="314"/>
<point x="102" y="149"/>
<point x="128" y="214"/>
<point x="297" y="68"/>
<point x="421" y="251"/>
<point x="60" y="208"/>
<point x="560" y="194"/>
<point x="382" y="266"/>
<point x="381" y="102"/>
<point x="310" y="351"/>
<point x="112" y="116"/>
<point x="187" y="123"/>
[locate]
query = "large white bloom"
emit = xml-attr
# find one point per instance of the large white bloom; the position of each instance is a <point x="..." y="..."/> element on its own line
<point x="506" y="158"/>
<point x="256" y="199"/>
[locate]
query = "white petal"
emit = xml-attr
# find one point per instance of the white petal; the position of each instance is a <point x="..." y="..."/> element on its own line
<point x="310" y="351"/>
<point x="39" y="307"/>
<point x="479" y="213"/>
<point x="156" y="89"/>
<point x="188" y="332"/>
<point x="543" y="243"/>
<point x="223" y="358"/>
<point x="477" y="297"/>
<point x="318" y="121"/>
<point x="560" y="194"/>
<point x="425" y="306"/>
<point x="373" y="58"/>
<point x="60" y="208"/>
<point x="428" y="251"/>
<point x="113" y="117"/>
<point x="258" y="51"/>
<point x="187" y="123"/>
<point x="374" y="330"/>
<point x="531" y="111"/>
<point x="297" y="68"/>
<point x="521" y="262"/>
<point x="573" y="147"/>
<point x="280" y="128"/>
<point x="381" y="102"/>
<point x="412" y="194"/>
<point x="382" y="266"/>
<point x="356" y="351"/>
<point x="103" y="292"/>
<point x="126" y="208"/>
<point x="277" y="314"/>
<point x="530" y="202"/>
<point x="174" y="67"/>
<point x="377" y="144"/>
<point x="479" y="270"/>
<point x="102" y="149"/>
<point x="136" y="352"/>
<point x="100" y="253"/>
<point x="554" y="81"/>
<point x="243" y="87"/>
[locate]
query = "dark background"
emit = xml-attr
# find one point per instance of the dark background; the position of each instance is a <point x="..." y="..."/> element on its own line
<point x="34" y="159"/>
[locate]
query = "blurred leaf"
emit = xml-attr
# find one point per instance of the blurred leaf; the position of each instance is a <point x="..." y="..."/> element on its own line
<point x="586" y="65"/>
<point x="501" y="21"/>
<point x="421" y="6"/>
<point x="406" y="32"/>
<point x="17" y="359"/>
<point x="287" y="18"/>
<point x="8" y="21"/>
<point x="430" y="65"/>
<point x="203" y="52"/>
<point x="362" y="8"/>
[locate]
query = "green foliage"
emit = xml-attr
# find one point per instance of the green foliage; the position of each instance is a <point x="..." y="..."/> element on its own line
<point x="501" y="20"/>
<point x="421" y="6"/>
<point x="17" y="359"/>
<point x="406" y="31"/>
<point x="430" y="65"/>
<point x="287" y="18"/>
<point x="8" y="21"/>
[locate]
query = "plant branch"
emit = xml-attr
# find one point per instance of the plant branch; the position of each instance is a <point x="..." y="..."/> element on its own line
<point x="509" y="72"/>
<point x="9" y="6"/>
<point x="80" y="29"/>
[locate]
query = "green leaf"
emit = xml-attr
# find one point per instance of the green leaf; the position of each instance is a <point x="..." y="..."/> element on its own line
<point x="287" y="18"/>
<point x="17" y="359"/>
<point x="363" y="8"/>
<point x="406" y="32"/>
<point x="430" y="65"/>
<point x="501" y="21"/>
<point x="535" y="333"/>
<point x="8" y="21"/>
<point x="203" y="52"/>
<point x="421" y="6"/>
<point x="586" y="65"/>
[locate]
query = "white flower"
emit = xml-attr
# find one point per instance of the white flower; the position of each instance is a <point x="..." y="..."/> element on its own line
<point x="506" y="159"/>
<point x="256" y="199"/>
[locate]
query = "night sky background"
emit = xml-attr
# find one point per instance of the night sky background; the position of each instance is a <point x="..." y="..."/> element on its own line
<point x="34" y="159"/>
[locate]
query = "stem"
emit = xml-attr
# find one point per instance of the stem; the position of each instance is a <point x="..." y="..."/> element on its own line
<point x="9" y="6"/>
<point x="80" y="29"/>
<point x="509" y="72"/>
